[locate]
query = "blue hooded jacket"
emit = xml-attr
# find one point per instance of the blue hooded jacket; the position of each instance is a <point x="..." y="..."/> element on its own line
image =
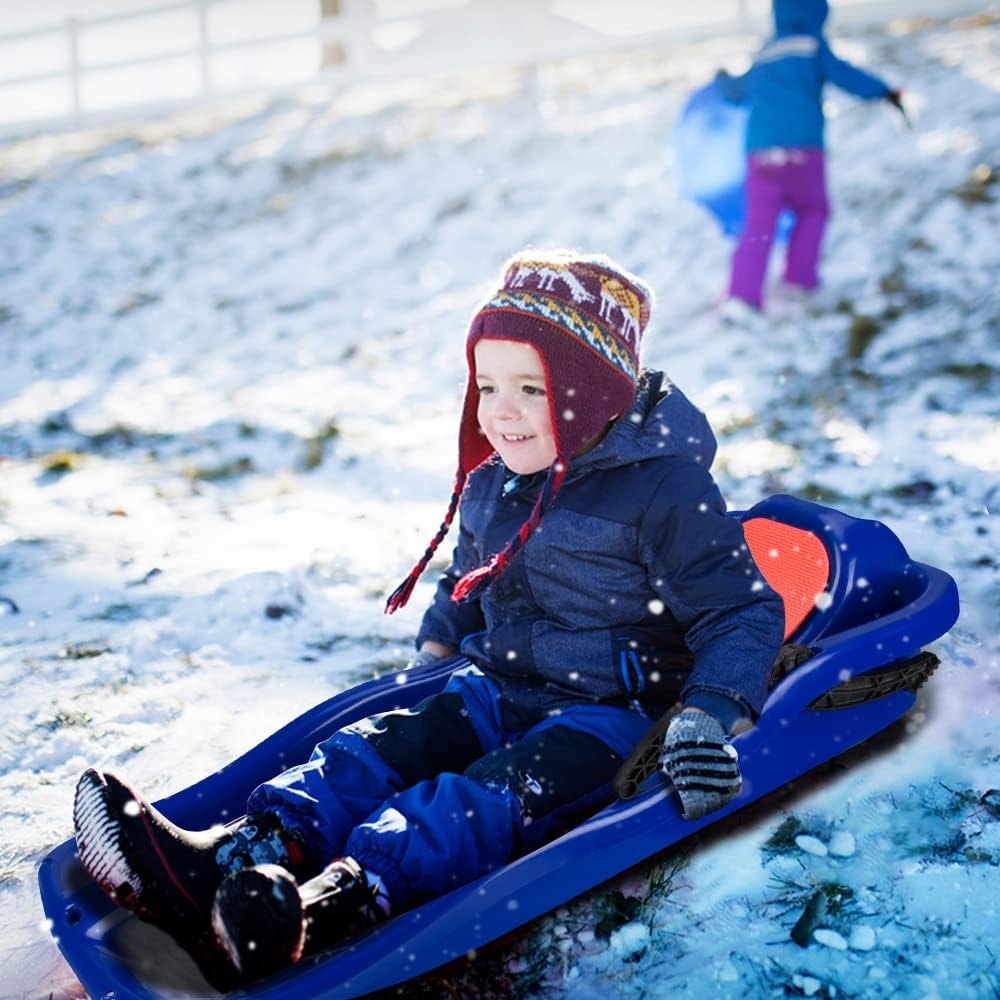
<point x="637" y="586"/>
<point x="784" y="85"/>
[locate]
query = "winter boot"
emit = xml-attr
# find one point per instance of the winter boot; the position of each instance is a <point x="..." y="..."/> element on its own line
<point x="265" y="921"/>
<point x="164" y="874"/>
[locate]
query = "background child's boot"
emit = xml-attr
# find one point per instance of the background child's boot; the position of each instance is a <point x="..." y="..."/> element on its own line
<point x="265" y="921"/>
<point x="164" y="874"/>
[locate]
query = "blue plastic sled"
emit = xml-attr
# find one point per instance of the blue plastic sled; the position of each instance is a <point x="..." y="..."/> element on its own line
<point x="858" y="611"/>
<point x="709" y="140"/>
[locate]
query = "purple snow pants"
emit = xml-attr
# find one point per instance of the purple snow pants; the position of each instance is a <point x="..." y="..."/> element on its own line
<point x="778" y="179"/>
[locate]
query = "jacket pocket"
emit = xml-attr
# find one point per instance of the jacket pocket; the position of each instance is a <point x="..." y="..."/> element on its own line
<point x="506" y="648"/>
<point x="651" y="665"/>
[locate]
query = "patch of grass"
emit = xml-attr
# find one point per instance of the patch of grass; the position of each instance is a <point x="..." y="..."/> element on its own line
<point x="890" y="284"/>
<point x="737" y="423"/>
<point x="819" y="493"/>
<point x="862" y="331"/>
<point x="325" y="645"/>
<point x="918" y="491"/>
<point x="379" y="668"/>
<point x="217" y="473"/>
<point x="454" y="206"/>
<point x="136" y="300"/>
<point x="303" y="170"/>
<point x="864" y="377"/>
<point x="816" y="903"/>
<point x="122" y="612"/>
<point x="613" y="909"/>
<point x="960" y="800"/>
<point x="483" y="976"/>
<point x="782" y="841"/>
<point x="976" y="856"/>
<point x="54" y="423"/>
<point x="977" y="372"/>
<point x="121" y="435"/>
<point x="64" y="719"/>
<point x="935" y="832"/>
<point x="58" y="463"/>
<point x="316" y="445"/>
<point x="977" y="189"/>
<point x="121" y="683"/>
<point x="83" y="651"/>
<point x="840" y="898"/>
<point x="983" y="20"/>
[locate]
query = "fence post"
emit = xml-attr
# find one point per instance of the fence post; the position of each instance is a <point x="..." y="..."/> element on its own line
<point x="334" y="53"/>
<point x="73" y="38"/>
<point x="204" y="49"/>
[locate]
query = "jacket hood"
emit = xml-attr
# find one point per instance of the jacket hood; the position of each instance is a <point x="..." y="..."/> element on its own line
<point x="662" y="422"/>
<point x="800" y="17"/>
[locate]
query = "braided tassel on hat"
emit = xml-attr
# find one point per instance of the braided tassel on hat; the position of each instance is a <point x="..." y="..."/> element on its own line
<point x="398" y="598"/>
<point x="475" y="582"/>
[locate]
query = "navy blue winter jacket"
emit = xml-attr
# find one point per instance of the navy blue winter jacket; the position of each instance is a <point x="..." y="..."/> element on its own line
<point x="636" y="586"/>
<point x="784" y="85"/>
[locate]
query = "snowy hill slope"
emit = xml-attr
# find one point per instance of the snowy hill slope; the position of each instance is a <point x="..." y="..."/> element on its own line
<point x="231" y="366"/>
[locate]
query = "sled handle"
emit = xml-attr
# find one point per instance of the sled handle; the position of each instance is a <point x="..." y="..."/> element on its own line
<point x="644" y="760"/>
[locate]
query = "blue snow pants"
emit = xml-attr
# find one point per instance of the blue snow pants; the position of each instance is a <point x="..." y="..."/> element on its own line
<point x="431" y="797"/>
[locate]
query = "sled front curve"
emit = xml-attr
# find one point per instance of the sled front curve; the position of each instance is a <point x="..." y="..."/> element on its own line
<point x="117" y="957"/>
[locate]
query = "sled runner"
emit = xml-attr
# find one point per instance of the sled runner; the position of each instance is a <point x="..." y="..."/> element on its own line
<point x="858" y="612"/>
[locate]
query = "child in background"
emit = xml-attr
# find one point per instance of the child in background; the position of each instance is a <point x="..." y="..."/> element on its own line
<point x="785" y="161"/>
<point x="597" y="580"/>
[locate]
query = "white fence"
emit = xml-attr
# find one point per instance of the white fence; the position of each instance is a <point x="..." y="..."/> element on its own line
<point x="151" y="56"/>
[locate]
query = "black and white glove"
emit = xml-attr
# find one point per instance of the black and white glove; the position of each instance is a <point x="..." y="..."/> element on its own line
<point x="700" y="762"/>
<point x="424" y="659"/>
<point x="895" y="98"/>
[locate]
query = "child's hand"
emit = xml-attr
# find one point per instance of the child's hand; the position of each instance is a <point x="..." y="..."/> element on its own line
<point x="423" y="659"/>
<point x="895" y="98"/>
<point x="700" y="762"/>
<point x="430" y="652"/>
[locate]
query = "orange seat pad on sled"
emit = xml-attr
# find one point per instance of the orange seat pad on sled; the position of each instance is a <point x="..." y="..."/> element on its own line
<point x="794" y="562"/>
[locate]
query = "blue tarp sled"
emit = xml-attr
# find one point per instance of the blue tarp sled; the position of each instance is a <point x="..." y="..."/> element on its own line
<point x="858" y="612"/>
<point x="710" y="165"/>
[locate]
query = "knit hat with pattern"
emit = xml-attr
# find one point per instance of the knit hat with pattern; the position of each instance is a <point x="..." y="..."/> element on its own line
<point x="585" y="316"/>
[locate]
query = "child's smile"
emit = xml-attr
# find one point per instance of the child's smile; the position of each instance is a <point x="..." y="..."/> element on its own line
<point x="513" y="407"/>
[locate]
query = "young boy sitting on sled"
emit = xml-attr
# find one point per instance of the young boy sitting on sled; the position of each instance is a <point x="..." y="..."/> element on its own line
<point x="597" y="580"/>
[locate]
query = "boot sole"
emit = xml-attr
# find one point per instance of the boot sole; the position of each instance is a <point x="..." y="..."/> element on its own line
<point x="263" y="901"/>
<point x="99" y="842"/>
<point x="110" y="824"/>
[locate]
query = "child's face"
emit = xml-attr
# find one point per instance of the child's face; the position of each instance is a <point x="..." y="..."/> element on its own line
<point x="513" y="405"/>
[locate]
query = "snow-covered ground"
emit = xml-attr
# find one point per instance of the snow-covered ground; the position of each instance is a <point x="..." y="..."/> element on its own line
<point x="231" y="365"/>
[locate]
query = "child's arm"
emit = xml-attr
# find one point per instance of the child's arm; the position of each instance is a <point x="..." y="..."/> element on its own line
<point x="732" y="88"/>
<point x="436" y="650"/>
<point x="699" y="564"/>
<point x="848" y="77"/>
<point x="445" y="624"/>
